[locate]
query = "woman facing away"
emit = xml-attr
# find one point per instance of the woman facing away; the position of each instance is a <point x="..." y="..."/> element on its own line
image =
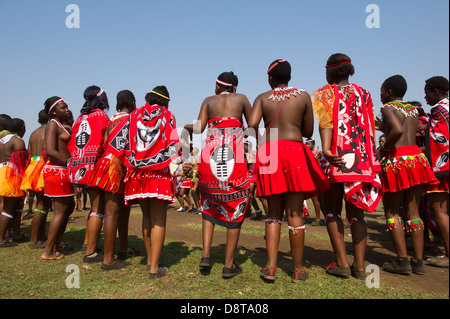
<point x="437" y="146"/>
<point x="85" y="147"/>
<point x="56" y="178"/>
<point x="406" y="171"/>
<point x="146" y="142"/>
<point x="223" y="177"/>
<point x="345" y="114"/>
<point x="108" y="176"/>
<point x="286" y="171"/>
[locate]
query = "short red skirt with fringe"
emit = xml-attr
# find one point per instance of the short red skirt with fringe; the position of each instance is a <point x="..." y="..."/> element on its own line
<point x="148" y="184"/>
<point x="108" y="174"/>
<point x="288" y="166"/>
<point x="56" y="181"/>
<point x="405" y="167"/>
<point x="187" y="183"/>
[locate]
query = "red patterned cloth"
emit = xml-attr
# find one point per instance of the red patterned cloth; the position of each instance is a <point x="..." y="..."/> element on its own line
<point x="223" y="175"/>
<point x="349" y="111"/>
<point x="437" y="138"/>
<point x="109" y="172"/>
<point x="85" y="145"/>
<point x="406" y="167"/>
<point x="288" y="166"/>
<point x="146" y="142"/>
<point x="11" y="174"/>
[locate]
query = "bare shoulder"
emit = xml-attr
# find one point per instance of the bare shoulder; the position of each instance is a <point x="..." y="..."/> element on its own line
<point x="18" y="143"/>
<point x="240" y="96"/>
<point x="37" y="133"/>
<point x="210" y="99"/>
<point x="264" y="96"/>
<point x="305" y="96"/>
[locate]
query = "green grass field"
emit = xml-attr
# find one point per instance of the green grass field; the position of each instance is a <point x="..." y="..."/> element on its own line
<point x="24" y="276"/>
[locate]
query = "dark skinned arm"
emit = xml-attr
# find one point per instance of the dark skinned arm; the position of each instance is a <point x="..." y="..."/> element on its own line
<point x="395" y="132"/>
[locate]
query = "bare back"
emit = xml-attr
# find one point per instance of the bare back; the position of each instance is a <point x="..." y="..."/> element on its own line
<point x="36" y="142"/>
<point x="294" y="121"/>
<point x="9" y="145"/>
<point x="221" y="105"/>
<point x="409" y="126"/>
<point x="227" y="105"/>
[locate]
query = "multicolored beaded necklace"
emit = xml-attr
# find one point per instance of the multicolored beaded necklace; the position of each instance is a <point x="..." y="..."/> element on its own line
<point x="281" y="93"/>
<point x="407" y="110"/>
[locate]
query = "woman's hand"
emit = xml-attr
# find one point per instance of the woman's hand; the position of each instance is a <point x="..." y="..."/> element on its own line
<point x="334" y="159"/>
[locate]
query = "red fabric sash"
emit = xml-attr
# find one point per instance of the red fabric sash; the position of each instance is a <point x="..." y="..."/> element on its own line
<point x="354" y="140"/>
<point x="437" y="137"/>
<point x="85" y="145"/>
<point x="223" y="176"/>
<point x="145" y="140"/>
<point x="17" y="165"/>
<point x="37" y="172"/>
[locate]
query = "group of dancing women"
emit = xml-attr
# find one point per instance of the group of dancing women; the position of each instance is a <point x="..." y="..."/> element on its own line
<point x="125" y="160"/>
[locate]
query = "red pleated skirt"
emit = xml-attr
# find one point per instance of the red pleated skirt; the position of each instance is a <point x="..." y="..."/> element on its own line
<point x="187" y="183"/>
<point x="288" y="166"/>
<point x="56" y="181"/>
<point x="108" y="174"/>
<point x="442" y="187"/>
<point x="148" y="184"/>
<point x="405" y="167"/>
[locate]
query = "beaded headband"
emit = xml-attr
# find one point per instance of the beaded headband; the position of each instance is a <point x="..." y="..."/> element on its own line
<point x="159" y="94"/>
<point x="223" y="83"/>
<point x="327" y="66"/>
<point x="54" y="104"/>
<point x="274" y="65"/>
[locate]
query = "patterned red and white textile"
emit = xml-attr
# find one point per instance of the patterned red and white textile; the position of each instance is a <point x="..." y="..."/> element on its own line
<point x="349" y="111"/>
<point x="223" y="175"/>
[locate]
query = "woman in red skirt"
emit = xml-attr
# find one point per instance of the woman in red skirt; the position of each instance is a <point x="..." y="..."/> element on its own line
<point x="108" y="175"/>
<point x="406" y="171"/>
<point x="437" y="146"/>
<point x="286" y="171"/>
<point x="85" y="146"/>
<point x="56" y="178"/>
<point x="146" y="142"/>
<point x="222" y="172"/>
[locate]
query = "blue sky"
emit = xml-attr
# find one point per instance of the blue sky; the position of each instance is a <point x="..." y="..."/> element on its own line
<point x="185" y="45"/>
